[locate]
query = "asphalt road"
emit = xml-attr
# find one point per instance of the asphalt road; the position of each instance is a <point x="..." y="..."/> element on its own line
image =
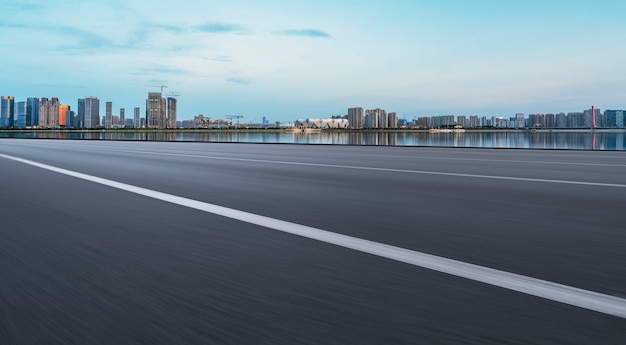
<point x="84" y="263"/>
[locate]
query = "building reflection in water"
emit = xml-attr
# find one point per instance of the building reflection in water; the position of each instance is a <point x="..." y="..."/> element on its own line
<point x="580" y="140"/>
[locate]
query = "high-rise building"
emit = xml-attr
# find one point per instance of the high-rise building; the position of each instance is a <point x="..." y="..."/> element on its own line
<point x="80" y="121"/>
<point x="49" y="112"/>
<point x="122" y="117"/>
<point x="550" y="121"/>
<point x="374" y="118"/>
<point x="32" y="111"/>
<point x="44" y="109"/>
<point x="461" y="120"/>
<point x="88" y="112"/>
<point x="588" y="118"/>
<point x="614" y="118"/>
<point x="473" y="121"/>
<point x="422" y="122"/>
<point x="108" y="117"/>
<point x="371" y="119"/>
<point x="137" y="118"/>
<point x="7" y="111"/>
<point x="392" y="120"/>
<point x="54" y="112"/>
<point x="561" y="120"/>
<point x="21" y="115"/>
<point x="155" y="110"/>
<point x="536" y="120"/>
<point x="71" y="118"/>
<point x="171" y="112"/>
<point x="576" y="120"/>
<point x="355" y="117"/>
<point x="63" y="112"/>
<point x="92" y="112"/>
<point x="383" y="119"/>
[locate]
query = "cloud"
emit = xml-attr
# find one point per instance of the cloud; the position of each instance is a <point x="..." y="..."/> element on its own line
<point x="220" y="28"/>
<point x="17" y="7"/>
<point x="170" y="28"/>
<point x="73" y="40"/>
<point x="241" y="81"/>
<point x="11" y="25"/>
<point x="304" y="33"/>
<point x="157" y="70"/>
<point x="219" y="58"/>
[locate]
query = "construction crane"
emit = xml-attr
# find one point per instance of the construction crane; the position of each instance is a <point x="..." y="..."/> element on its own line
<point x="231" y="117"/>
<point x="173" y="94"/>
<point x="159" y="86"/>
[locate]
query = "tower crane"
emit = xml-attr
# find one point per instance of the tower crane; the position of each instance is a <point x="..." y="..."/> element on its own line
<point x="159" y="86"/>
<point x="231" y="117"/>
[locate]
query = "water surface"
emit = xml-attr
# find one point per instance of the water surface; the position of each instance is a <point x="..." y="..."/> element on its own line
<point x="576" y="140"/>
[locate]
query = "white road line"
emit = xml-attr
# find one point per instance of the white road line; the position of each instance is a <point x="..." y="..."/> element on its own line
<point x="455" y="159"/>
<point x="492" y="160"/>
<point x="602" y="303"/>
<point x="421" y="172"/>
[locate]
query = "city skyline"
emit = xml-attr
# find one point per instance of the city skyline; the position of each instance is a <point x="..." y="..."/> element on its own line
<point x="161" y="112"/>
<point x="287" y="61"/>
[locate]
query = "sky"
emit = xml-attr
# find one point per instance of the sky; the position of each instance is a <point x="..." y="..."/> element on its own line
<point x="287" y="60"/>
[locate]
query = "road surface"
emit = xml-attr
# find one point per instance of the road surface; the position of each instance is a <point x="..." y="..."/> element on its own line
<point x="124" y="242"/>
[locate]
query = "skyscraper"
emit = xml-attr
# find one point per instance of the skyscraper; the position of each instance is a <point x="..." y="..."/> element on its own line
<point x="32" y="111"/>
<point x="21" y="115"/>
<point x="89" y="112"/>
<point x="71" y="118"/>
<point x="80" y="123"/>
<point x="137" y="119"/>
<point x="108" y="117"/>
<point x="53" y="117"/>
<point x="122" y="117"/>
<point x="171" y="112"/>
<point x="44" y="111"/>
<point x="7" y="111"/>
<point x="49" y="112"/>
<point x="155" y="110"/>
<point x="63" y="112"/>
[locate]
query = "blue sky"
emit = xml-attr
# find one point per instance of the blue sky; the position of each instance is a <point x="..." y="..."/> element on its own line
<point x="297" y="59"/>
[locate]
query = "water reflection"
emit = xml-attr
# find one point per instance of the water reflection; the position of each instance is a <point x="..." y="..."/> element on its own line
<point x="580" y="140"/>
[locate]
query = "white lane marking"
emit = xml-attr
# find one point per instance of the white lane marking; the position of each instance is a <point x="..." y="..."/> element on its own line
<point x="595" y="301"/>
<point x="421" y="172"/>
<point x="412" y="157"/>
<point x="446" y="158"/>
<point x="493" y="160"/>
